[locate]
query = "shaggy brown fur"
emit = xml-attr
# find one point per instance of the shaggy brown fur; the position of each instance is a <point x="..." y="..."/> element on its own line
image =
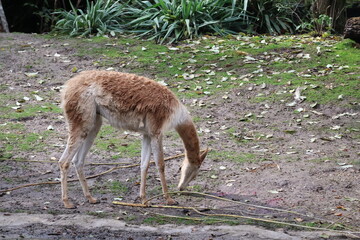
<point x="120" y="93"/>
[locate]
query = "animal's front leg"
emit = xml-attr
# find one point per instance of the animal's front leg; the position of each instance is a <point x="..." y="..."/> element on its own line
<point x="145" y="160"/>
<point x="157" y="148"/>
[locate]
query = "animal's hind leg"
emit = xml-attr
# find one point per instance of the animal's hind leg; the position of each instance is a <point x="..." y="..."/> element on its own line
<point x="78" y="159"/>
<point x="145" y="160"/>
<point x="72" y="147"/>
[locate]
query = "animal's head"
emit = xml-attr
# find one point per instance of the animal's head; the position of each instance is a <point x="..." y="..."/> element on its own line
<point x="190" y="169"/>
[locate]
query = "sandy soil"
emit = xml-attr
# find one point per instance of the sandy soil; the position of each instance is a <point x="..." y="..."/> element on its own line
<point x="309" y="166"/>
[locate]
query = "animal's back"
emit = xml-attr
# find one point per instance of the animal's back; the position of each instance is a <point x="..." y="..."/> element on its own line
<point x="120" y="97"/>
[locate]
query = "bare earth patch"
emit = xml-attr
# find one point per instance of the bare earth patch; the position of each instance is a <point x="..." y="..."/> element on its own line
<point x="265" y="153"/>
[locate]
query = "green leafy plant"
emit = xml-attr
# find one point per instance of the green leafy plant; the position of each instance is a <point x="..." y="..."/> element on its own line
<point x="100" y="18"/>
<point x="273" y="17"/>
<point x="44" y="12"/>
<point x="173" y="20"/>
<point x="317" y="26"/>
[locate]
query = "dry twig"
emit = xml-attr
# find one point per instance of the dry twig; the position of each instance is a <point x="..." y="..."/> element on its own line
<point x="347" y="233"/>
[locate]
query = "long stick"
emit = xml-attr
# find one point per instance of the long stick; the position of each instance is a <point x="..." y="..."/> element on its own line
<point x="352" y="234"/>
<point x="237" y="202"/>
<point x="228" y="200"/>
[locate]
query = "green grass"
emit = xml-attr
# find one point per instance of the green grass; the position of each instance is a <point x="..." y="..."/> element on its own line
<point x="171" y="65"/>
<point x="187" y="221"/>
<point x="15" y="139"/>
<point x="196" y="188"/>
<point x="98" y="214"/>
<point x="29" y="142"/>
<point x="5" y="168"/>
<point x="160" y="219"/>
<point x="232" y="156"/>
<point x="147" y="57"/>
<point x="118" y="187"/>
<point x="115" y="187"/>
<point x="112" y="139"/>
<point x="272" y="98"/>
<point x="27" y="111"/>
<point x="154" y="191"/>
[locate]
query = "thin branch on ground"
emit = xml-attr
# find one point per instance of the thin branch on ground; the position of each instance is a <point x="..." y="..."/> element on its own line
<point x="348" y="233"/>
<point x="227" y="200"/>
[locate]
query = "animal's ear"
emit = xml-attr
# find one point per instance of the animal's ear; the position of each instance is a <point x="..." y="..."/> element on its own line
<point x="203" y="155"/>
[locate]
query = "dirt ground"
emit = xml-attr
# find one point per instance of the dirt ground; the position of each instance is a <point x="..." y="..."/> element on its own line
<point x="310" y="167"/>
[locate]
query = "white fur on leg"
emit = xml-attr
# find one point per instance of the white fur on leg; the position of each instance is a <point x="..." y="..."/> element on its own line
<point x="145" y="161"/>
<point x="79" y="158"/>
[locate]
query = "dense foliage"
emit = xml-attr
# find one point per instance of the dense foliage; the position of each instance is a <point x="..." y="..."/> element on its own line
<point x="101" y="18"/>
<point x="275" y="16"/>
<point x="173" y="20"/>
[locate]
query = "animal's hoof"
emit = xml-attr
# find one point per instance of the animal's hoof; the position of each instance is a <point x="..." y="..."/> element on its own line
<point x="94" y="200"/>
<point x="172" y="202"/>
<point x="69" y="205"/>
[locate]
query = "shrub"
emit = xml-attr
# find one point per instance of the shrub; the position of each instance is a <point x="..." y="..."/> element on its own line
<point x="173" y="20"/>
<point x="99" y="18"/>
<point x="317" y="26"/>
<point x="274" y="17"/>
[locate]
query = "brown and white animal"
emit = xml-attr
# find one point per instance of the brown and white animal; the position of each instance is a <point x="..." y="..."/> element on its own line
<point x="128" y="102"/>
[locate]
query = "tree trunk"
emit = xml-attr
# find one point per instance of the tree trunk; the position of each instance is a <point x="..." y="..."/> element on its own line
<point x="3" y="18"/>
<point x="352" y="29"/>
<point x="333" y="8"/>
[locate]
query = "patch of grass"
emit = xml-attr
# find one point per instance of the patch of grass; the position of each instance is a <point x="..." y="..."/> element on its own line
<point x="3" y="87"/>
<point x="348" y="87"/>
<point x="155" y="190"/>
<point x="223" y="155"/>
<point x="233" y="156"/>
<point x="18" y="141"/>
<point x="5" y="168"/>
<point x="8" y="179"/>
<point x="118" y="187"/>
<point x="110" y="52"/>
<point x="346" y="53"/>
<point x="115" y="187"/>
<point x="196" y="188"/>
<point x="99" y="39"/>
<point x="185" y="221"/>
<point x="53" y="36"/>
<point x="54" y="212"/>
<point x="223" y="57"/>
<point x="12" y="126"/>
<point x="336" y="226"/>
<point x="28" y="111"/>
<point x="98" y="214"/>
<point x="130" y="218"/>
<point x="156" y="220"/>
<point x="109" y="139"/>
<point x="14" y="139"/>
<point x="322" y="160"/>
<point x="5" y="155"/>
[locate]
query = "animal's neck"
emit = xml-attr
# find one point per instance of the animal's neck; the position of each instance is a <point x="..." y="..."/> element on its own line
<point x="190" y="138"/>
